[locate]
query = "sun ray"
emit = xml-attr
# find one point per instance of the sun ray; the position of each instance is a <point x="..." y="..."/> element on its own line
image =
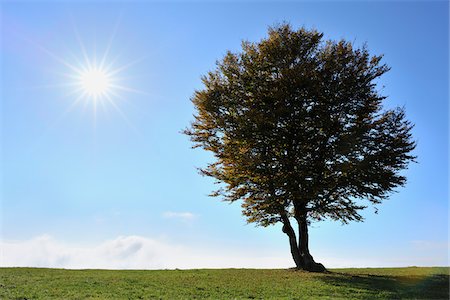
<point x="111" y="39"/>
<point x="51" y="54"/>
<point x="127" y="89"/>
<point x="122" y="114"/>
<point x="67" y="110"/>
<point x="50" y="86"/>
<point x="124" y="67"/>
<point x="81" y="44"/>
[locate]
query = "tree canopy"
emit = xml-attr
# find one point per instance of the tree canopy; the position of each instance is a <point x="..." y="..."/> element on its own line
<point x="298" y="131"/>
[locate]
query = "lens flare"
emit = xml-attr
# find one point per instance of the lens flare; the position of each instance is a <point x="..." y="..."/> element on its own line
<point x="97" y="81"/>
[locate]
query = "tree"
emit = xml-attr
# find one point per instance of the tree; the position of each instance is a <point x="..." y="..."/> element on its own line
<point x="298" y="132"/>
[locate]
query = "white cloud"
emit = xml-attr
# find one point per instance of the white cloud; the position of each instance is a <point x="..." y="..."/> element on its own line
<point x="184" y="216"/>
<point x="129" y="252"/>
<point x="137" y="252"/>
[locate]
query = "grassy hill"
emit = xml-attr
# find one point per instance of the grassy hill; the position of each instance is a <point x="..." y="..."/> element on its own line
<point x="379" y="283"/>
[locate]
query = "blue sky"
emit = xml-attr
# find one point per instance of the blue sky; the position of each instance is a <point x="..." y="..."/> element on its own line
<point x="75" y="179"/>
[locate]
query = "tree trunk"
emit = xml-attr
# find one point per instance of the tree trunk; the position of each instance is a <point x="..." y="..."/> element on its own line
<point x="287" y="228"/>
<point x="300" y="251"/>
<point x="307" y="260"/>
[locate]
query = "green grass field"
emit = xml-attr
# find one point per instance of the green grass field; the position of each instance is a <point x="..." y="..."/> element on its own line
<point x="380" y="283"/>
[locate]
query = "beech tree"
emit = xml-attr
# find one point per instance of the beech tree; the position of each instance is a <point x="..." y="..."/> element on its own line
<point x="299" y="133"/>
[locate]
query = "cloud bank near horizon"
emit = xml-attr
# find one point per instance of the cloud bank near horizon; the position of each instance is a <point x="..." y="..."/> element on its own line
<point x="137" y="252"/>
<point x="127" y="252"/>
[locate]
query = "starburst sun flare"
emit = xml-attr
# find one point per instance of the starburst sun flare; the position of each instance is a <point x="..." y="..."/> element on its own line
<point x="95" y="82"/>
<point x="93" y="79"/>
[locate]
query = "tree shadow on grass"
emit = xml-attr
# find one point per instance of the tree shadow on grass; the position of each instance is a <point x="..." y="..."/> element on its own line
<point x="435" y="286"/>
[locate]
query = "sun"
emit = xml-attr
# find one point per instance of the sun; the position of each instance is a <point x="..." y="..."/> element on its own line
<point x="95" y="82"/>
